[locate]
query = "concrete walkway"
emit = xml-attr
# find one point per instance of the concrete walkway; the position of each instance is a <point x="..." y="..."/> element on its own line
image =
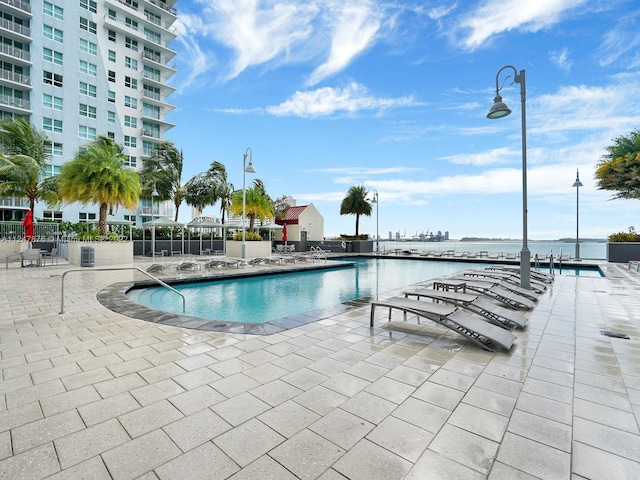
<point x="95" y="394"/>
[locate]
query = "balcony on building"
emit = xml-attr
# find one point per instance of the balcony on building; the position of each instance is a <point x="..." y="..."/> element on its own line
<point x="16" y="7"/>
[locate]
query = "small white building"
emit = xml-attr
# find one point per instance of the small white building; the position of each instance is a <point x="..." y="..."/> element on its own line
<point x="303" y="222"/>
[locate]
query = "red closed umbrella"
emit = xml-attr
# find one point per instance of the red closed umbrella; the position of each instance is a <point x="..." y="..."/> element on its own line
<point x="28" y="226"/>
<point x="284" y="233"/>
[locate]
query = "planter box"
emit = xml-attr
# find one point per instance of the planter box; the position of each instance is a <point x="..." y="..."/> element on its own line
<point x="623" y="252"/>
<point x="106" y="253"/>
<point x="253" y="250"/>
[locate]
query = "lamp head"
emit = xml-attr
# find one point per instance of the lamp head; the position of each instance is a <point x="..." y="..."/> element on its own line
<point x="249" y="168"/>
<point x="577" y="183"/>
<point x="154" y="193"/>
<point x="499" y="109"/>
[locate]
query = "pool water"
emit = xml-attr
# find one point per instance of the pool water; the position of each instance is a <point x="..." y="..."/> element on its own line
<point x="267" y="298"/>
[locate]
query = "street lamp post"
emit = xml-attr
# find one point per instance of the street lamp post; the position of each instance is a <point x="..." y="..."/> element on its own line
<point x="375" y="200"/>
<point x="245" y="169"/>
<point x="499" y="110"/>
<point x="154" y="194"/>
<point x="577" y="184"/>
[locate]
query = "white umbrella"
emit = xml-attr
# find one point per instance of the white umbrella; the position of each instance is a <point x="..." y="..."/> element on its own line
<point x="207" y="224"/>
<point x="163" y="222"/>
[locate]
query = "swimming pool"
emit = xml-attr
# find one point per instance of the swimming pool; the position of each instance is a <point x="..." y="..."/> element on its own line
<point x="267" y="298"/>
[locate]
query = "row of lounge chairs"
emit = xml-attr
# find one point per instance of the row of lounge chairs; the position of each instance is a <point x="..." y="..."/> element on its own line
<point x="486" y="315"/>
<point x="194" y="266"/>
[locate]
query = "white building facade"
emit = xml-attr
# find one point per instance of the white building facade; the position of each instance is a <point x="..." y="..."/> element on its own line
<point x="77" y="69"/>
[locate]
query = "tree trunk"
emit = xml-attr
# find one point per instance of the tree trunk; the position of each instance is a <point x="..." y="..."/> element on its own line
<point x="102" y="221"/>
<point x="357" y="223"/>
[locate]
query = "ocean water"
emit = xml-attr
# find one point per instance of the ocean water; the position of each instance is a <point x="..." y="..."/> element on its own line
<point x="588" y="250"/>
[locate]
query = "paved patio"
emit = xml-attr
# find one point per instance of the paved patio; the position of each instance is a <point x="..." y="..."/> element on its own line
<point x="95" y="394"/>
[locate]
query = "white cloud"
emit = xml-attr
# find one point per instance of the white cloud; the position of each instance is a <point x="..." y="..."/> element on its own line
<point x="561" y="58"/>
<point x="498" y="16"/>
<point x="329" y="101"/>
<point x="354" y="26"/>
<point x="496" y="156"/>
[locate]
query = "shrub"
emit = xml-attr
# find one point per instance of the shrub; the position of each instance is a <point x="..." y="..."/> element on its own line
<point x="249" y="236"/>
<point x="630" y="236"/>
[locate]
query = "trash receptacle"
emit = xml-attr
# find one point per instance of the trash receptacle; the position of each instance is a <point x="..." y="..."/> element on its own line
<point x="87" y="256"/>
<point x="349" y="247"/>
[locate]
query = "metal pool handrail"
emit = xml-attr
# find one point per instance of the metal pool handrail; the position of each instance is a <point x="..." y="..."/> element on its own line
<point x="119" y="268"/>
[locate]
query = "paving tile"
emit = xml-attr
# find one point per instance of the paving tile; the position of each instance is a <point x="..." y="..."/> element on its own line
<point x="136" y="457"/>
<point x="368" y="461"/>
<point x="69" y="400"/>
<point x="612" y="440"/>
<point x="197" y="399"/>
<point x="594" y="463"/>
<point x="545" y="407"/>
<point x="422" y="414"/>
<point x="45" y="431"/>
<point x="306" y="454"/>
<point x="247" y="442"/>
<point x="433" y="466"/>
<point x="240" y="408"/>
<point x="234" y="385"/>
<point x="92" y="441"/>
<point x="28" y="394"/>
<point x="108" y="408"/>
<point x="534" y="458"/>
<point x="119" y="385"/>
<point x="440" y="395"/>
<point x="195" y="378"/>
<point x="156" y="391"/>
<point x="93" y="469"/>
<point x="479" y="421"/>
<point x="264" y="468"/>
<point x="39" y="462"/>
<point x="401" y="438"/>
<point x="196" y="429"/>
<point x="143" y="420"/>
<point x="389" y="389"/>
<point x="276" y="392"/>
<point x="620" y="419"/>
<point x="288" y="418"/>
<point x="500" y="471"/>
<point x="490" y="401"/>
<point x="342" y="428"/>
<point x="542" y="430"/>
<point x="321" y="400"/>
<point x="469" y="449"/>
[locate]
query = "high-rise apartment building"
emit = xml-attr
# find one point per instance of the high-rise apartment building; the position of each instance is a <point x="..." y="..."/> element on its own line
<point x="77" y="69"/>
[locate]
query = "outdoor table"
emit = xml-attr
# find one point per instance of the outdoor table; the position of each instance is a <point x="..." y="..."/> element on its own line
<point x="446" y="285"/>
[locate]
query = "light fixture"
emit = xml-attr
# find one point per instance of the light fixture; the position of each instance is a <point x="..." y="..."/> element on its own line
<point x="577" y="184"/>
<point x="154" y="194"/>
<point x="499" y="109"/>
<point x="245" y="169"/>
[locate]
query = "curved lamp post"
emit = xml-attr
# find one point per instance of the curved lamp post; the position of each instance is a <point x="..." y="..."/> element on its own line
<point x="577" y="184"/>
<point x="375" y="200"/>
<point x="154" y="194"/>
<point x="245" y="169"/>
<point x="499" y="110"/>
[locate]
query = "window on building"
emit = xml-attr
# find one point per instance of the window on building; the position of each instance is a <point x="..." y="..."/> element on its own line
<point x="151" y="73"/>
<point x="86" y="217"/>
<point x="54" y="149"/>
<point x="131" y="218"/>
<point x="131" y="23"/>
<point x="52" y="33"/>
<point x="130" y="102"/>
<point x="52" y="56"/>
<point x="52" y="215"/>
<point x="89" y="5"/>
<point x="111" y="135"/>
<point x="88" y="25"/>
<point x="111" y="96"/>
<point x="52" y="10"/>
<point x="51" y="125"/>
<point x="51" y="170"/>
<point x="131" y="43"/>
<point x="148" y="148"/>
<point x="152" y="111"/>
<point x="87" y="111"/>
<point x="88" y="68"/>
<point x="130" y="121"/>
<point x="131" y="82"/>
<point x="88" y="90"/>
<point x="131" y="63"/>
<point x="49" y="101"/>
<point x="153" y="36"/>
<point x="153" y="18"/>
<point x="112" y="56"/>
<point x="130" y="141"/>
<point x="151" y="92"/>
<point x="52" y="78"/>
<point x="111" y="35"/>
<point x="152" y="54"/>
<point x="88" y="133"/>
<point x="88" y="47"/>
<point x="131" y="161"/>
<point x="112" y="14"/>
<point x="111" y="75"/>
<point x="111" y="116"/>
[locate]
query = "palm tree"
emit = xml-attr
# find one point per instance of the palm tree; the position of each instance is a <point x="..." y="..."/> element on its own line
<point x="257" y="204"/>
<point x="97" y="175"/>
<point x="22" y="165"/>
<point x="356" y="203"/>
<point x="164" y="171"/>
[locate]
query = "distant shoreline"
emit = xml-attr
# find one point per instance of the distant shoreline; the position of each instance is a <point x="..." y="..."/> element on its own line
<point x="492" y="240"/>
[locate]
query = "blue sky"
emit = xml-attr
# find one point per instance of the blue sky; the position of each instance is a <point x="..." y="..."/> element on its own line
<point x="394" y="95"/>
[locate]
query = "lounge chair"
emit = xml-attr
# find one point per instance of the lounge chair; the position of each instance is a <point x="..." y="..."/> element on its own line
<point x="497" y="291"/>
<point x="512" y="278"/>
<point x="466" y="324"/>
<point x="503" y="317"/>
<point x="635" y="264"/>
<point x="511" y="256"/>
<point x="187" y="266"/>
<point x="539" y="276"/>
<point x="160" y="267"/>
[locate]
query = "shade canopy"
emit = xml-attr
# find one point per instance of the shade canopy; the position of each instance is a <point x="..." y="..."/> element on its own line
<point x="206" y="224"/>
<point x="162" y="222"/>
<point x="111" y="220"/>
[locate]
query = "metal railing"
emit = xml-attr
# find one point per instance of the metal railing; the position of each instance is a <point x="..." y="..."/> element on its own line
<point x="113" y="269"/>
